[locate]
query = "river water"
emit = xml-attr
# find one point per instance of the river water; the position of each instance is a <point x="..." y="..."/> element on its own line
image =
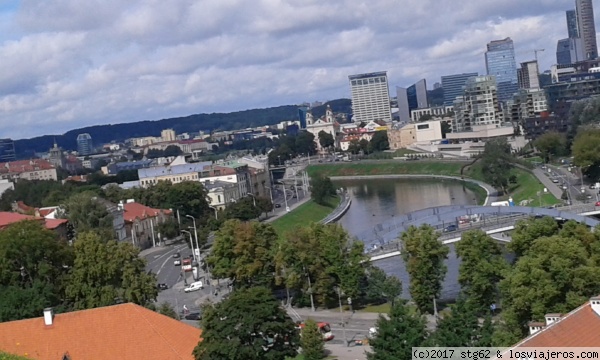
<point x="376" y="202"/>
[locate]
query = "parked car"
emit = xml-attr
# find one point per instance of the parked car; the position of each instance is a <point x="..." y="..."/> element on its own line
<point x="555" y="181"/>
<point x="177" y="262"/>
<point x="194" y="287"/>
<point x="193" y="316"/>
<point x="162" y="286"/>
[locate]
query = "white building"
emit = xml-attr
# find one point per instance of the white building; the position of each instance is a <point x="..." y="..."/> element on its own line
<point x="436" y="112"/>
<point x="478" y="106"/>
<point x="370" y="97"/>
<point x="327" y="124"/>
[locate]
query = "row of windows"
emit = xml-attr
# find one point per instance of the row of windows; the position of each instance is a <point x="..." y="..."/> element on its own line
<point x="377" y="80"/>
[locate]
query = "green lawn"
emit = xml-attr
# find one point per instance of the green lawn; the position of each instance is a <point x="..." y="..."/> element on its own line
<point x="304" y="214"/>
<point x="424" y="167"/>
<point x="380" y="309"/>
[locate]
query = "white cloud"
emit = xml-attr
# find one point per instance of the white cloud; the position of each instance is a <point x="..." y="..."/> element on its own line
<point x="71" y="63"/>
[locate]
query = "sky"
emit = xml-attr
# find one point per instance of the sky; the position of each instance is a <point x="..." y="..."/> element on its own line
<point x="66" y="64"/>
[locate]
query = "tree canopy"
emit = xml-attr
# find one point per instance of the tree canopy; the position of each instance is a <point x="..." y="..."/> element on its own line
<point x="424" y="256"/>
<point x="379" y="141"/>
<point x="496" y="163"/>
<point x="586" y="152"/>
<point x="551" y="144"/>
<point x="86" y="213"/>
<point x="321" y="188"/>
<point x="311" y="341"/>
<point x="326" y="140"/>
<point x="248" y="325"/>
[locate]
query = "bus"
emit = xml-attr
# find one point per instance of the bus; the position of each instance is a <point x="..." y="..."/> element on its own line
<point x="324" y="329"/>
<point x="186" y="264"/>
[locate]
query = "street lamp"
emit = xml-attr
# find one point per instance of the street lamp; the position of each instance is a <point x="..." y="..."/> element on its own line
<point x="270" y="193"/>
<point x="310" y="290"/>
<point x="216" y="212"/>
<point x="191" y="243"/>
<point x="195" y="235"/>
<point x="339" y="292"/>
<point x="287" y="208"/>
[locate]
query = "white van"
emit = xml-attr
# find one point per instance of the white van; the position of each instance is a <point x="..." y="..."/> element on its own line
<point x="194" y="286"/>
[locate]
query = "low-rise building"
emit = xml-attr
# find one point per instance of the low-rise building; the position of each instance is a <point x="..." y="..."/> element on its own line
<point x="124" y="331"/>
<point x="326" y="123"/>
<point x="434" y="112"/>
<point x="35" y="169"/>
<point x="173" y="173"/>
<point x="115" y="168"/>
<point x="141" y="222"/>
<point x="535" y="126"/>
<point x="482" y="132"/>
<point x="402" y="136"/>
<point x="59" y="226"/>
<point x="220" y="193"/>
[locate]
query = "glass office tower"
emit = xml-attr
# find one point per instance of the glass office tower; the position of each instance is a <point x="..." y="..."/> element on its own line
<point x="500" y="62"/>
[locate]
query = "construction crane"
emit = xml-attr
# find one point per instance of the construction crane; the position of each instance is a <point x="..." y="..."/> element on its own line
<point x="536" y="51"/>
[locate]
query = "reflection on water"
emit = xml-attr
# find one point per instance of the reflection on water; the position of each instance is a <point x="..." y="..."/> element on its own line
<point x="377" y="201"/>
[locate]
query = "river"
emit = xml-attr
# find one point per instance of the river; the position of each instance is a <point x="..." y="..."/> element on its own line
<point x="376" y="202"/>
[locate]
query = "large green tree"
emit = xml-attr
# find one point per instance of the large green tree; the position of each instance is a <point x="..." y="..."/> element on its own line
<point x="397" y="334"/>
<point x="551" y="144"/>
<point x="106" y="272"/>
<point x="379" y="141"/>
<point x="424" y="256"/>
<point x="555" y="275"/>
<point x="460" y="327"/>
<point x="321" y="189"/>
<point x="529" y="230"/>
<point x="325" y="256"/>
<point x="326" y="140"/>
<point x="496" y="163"/>
<point x="586" y="152"/>
<point x="482" y="267"/>
<point x="380" y="287"/>
<point x="33" y="270"/>
<point x="248" y="325"/>
<point x="245" y="253"/>
<point x="311" y="341"/>
<point x="86" y="212"/>
<point x="243" y="209"/>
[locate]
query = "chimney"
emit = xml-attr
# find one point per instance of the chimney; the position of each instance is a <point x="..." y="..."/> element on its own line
<point x="534" y="327"/>
<point x="595" y="302"/>
<point x="48" y="316"/>
<point x="552" y="318"/>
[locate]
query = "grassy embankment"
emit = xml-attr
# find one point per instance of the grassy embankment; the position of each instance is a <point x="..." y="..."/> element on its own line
<point x="526" y="188"/>
<point x="306" y="213"/>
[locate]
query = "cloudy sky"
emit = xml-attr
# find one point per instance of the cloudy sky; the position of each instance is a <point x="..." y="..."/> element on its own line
<point x="71" y="63"/>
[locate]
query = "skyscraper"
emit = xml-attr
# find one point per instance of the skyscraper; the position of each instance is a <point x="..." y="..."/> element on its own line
<point x="453" y="86"/>
<point x="500" y="62"/>
<point x="370" y="97"/>
<point x="572" y="24"/>
<point x="586" y="27"/>
<point x="7" y="150"/>
<point x="569" y="51"/>
<point x="84" y="144"/>
<point x="413" y="97"/>
<point x="528" y="75"/>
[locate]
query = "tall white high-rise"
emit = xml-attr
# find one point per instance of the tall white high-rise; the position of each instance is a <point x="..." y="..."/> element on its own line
<point x="586" y="27"/>
<point x="478" y="106"/>
<point x="370" y="97"/>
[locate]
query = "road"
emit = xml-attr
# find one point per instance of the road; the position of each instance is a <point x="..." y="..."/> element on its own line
<point x="574" y="183"/>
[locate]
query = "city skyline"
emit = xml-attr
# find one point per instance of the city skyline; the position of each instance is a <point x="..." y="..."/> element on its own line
<point x="75" y="64"/>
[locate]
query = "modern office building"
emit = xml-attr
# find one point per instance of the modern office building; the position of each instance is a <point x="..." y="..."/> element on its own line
<point x="569" y="51"/>
<point x="411" y="98"/>
<point x="370" y="97"/>
<point x="479" y="105"/>
<point x="453" y="86"/>
<point x="587" y="28"/>
<point x="302" y="110"/>
<point x="572" y="24"/>
<point x="7" y="150"/>
<point x="528" y="75"/>
<point x="84" y="144"/>
<point x="500" y="62"/>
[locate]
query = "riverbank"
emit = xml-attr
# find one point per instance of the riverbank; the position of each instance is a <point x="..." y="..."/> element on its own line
<point x="304" y="214"/>
<point x="417" y="167"/>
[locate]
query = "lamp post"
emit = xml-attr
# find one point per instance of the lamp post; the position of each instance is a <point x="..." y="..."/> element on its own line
<point x="195" y="235"/>
<point x="287" y="208"/>
<point x="191" y="243"/>
<point x="253" y="198"/>
<point x="270" y="193"/>
<point x="339" y="292"/>
<point x="216" y="212"/>
<point x="310" y="291"/>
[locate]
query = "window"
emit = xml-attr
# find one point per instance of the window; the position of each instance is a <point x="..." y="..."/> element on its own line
<point x="423" y="127"/>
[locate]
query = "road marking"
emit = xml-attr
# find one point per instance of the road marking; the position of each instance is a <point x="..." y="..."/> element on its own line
<point x="167" y="259"/>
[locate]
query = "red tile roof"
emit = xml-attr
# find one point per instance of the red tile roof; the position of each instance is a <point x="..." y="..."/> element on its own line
<point x="135" y="210"/>
<point x="7" y="218"/>
<point x="125" y="331"/>
<point x="25" y="165"/>
<point x="579" y="328"/>
<point x="22" y="207"/>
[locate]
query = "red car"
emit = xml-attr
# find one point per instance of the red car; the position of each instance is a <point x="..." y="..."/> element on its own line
<point x="597" y="203"/>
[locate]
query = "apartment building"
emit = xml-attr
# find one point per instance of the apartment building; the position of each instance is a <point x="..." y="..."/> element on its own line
<point x="34" y="169"/>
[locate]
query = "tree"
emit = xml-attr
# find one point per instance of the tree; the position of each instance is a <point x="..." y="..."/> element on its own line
<point x="311" y="341"/>
<point x="264" y="205"/>
<point x="380" y="287"/>
<point x="527" y="231"/>
<point x="353" y="146"/>
<point x="305" y="143"/>
<point x="33" y="270"/>
<point x="245" y="253"/>
<point x="325" y="255"/>
<point x="586" y="152"/>
<point x="424" y="256"/>
<point x="326" y="140"/>
<point x="167" y="309"/>
<point x="364" y="146"/>
<point x="446" y="127"/>
<point x="397" y="335"/>
<point x="460" y="327"/>
<point x="248" y="325"/>
<point x="379" y="141"/>
<point x="555" y="275"/>
<point x="168" y="229"/>
<point x="482" y="267"/>
<point x="496" y="163"/>
<point x="172" y="150"/>
<point x="106" y="272"/>
<point x="321" y="188"/>
<point x="87" y="213"/>
<point x="243" y="209"/>
<point x="551" y="144"/>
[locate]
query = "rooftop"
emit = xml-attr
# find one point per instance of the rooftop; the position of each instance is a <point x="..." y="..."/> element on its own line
<point x="172" y="170"/>
<point x="25" y="165"/>
<point x="125" y="331"/>
<point x="135" y="210"/>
